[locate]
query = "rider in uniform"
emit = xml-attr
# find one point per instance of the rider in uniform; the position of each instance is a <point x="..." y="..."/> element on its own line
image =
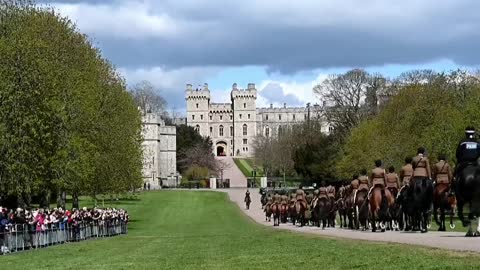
<point x="468" y="151"/>
<point x="322" y="191"/>
<point x="284" y="199"/>
<point x="276" y="198"/>
<point x="331" y="192"/>
<point x="393" y="182"/>
<point x="363" y="181"/>
<point x="442" y="172"/>
<point x="378" y="178"/>
<point x="406" y="172"/>
<point x="355" y="183"/>
<point x="421" y="166"/>
<point x="300" y="196"/>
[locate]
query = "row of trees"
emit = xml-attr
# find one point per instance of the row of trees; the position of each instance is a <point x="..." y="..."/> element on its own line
<point x="67" y="123"/>
<point x="376" y="118"/>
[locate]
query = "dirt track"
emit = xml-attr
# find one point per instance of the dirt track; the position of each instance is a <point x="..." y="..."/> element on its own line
<point x="444" y="240"/>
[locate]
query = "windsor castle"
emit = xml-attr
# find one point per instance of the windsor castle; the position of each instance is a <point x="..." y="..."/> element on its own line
<point x="233" y="126"/>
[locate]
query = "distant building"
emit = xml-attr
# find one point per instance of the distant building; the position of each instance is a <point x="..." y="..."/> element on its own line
<point x="159" y="157"/>
<point x="233" y="126"/>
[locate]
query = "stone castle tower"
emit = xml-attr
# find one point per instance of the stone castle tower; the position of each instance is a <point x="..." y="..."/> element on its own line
<point x="231" y="126"/>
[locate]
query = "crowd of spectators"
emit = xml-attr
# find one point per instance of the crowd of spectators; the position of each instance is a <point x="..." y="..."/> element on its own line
<point x="42" y="227"/>
<point x="43" y="219"/>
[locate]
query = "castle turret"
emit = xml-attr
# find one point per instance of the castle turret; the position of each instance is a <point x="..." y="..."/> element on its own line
<point x="198" y="101"/>
<point x="244" y="107"/>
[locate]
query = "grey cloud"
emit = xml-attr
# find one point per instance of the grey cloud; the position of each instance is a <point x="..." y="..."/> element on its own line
<point x="273" y="93"/>
<point x="220" y="34"/>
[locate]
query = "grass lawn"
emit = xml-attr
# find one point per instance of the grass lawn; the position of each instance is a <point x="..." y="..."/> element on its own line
<point x="203" y="230"/>
<point x="246" y="165"/>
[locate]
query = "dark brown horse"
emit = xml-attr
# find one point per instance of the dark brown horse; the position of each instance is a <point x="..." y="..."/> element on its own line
<point x="300" y="208"/>
<point x="341" y="206"/>
<point x="276" y="214"/>
<point x="443" y="202"/>
<point x="268" y="211"/>
<point x="283" y="213"/>
<point x="379" y="207"/>
<point x="360" y="213"/>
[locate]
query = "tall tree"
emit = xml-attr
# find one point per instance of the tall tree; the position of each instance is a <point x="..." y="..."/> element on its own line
<point x="147" y="98"/>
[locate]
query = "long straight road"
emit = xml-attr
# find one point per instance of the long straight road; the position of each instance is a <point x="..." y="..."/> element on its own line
<point x="443" y="240"/>
<point x="232" y="172"/>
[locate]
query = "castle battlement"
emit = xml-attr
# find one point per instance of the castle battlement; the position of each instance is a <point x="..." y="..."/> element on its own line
<point x="198" y="93"/>
<point x="250" y="92"/>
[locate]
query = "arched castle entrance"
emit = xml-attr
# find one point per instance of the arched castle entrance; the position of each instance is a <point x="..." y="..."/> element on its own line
<point x="221" y="148"/>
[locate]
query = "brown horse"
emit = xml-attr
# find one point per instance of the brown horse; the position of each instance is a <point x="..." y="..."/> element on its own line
<point x="443" y="202"/>
<point x="268" y="212"/>
<point x="379" y="207"/>
<point x="350" y="206"/>
<point x="283" y="213"/>
<point x="341" y="206"/>
<point x="276" y="214"/>
<point x="360" y="217"/>
<point x="300" y="208"/>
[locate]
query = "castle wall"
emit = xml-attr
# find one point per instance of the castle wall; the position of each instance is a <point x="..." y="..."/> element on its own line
<point x="159" y="150"/>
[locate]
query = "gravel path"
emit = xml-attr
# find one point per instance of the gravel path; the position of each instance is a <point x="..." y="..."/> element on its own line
<point x="443" y="240"/>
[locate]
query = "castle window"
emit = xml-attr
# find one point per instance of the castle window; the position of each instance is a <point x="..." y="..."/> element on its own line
<point x="248" y="116"/>
<point x="245" y="141"/>
<point x="201" y="116"/>
<point x="245" y="130"/>
<point x="280" y="131"/>
<point x="211" y="131"/>
<point x="267" y="132"/>
<point x="266" y="117"/>
<point x="220" y="130"/>
<point x="244" y="105"/>
<point x="231" y="117"/>
<point x="279" y="117"/>
<point x="197" y="105"/>
<point x="197" y="128"/>
<point x="193" y="117"/>
<point x="231" y="131"/>
<point x="240" y="116"/>
<point x="294" y="117"/>
<point x="210" y="117"/>
<point x="246" y="148"/>
<point x="221" y="117"/>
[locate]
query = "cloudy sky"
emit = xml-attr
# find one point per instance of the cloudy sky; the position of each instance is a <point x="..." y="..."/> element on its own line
<point x="283" y="46"/>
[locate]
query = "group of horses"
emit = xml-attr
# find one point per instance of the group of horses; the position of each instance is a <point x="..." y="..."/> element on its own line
<point x="311" y="211"/>
<point x="406" y="209"/>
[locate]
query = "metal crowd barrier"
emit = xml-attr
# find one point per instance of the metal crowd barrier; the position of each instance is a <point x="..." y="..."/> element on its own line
<point x="20" y="237"/>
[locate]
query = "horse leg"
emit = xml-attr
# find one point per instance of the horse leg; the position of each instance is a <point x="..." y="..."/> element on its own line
<point x="460" y="204"/>
<point x="442" y="219"/>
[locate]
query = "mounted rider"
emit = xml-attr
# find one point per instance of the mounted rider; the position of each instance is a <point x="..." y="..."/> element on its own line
<point x="393" y="181"/>
<point x="363" y="181"/>
<point x="309" y="198"/>
<point x="406" y="172"/>
<point x="284" y="199"/>
<point x="378" y="178"/>
<point x="300" y="197"/>
<point x="355" y="183"/>
<point x="442" y="171"/>
<point x="315" y="198"/>
<point x="276" y="198"/>
<point x="421" y="166"/>
<point x="468" y="152"/>
<point x="331" y="192"/>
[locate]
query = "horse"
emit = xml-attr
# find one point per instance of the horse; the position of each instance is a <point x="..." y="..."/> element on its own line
<point x="350" y="207"/>
<point x="247" y="201"/>
<point x="276" y="214"/>
<point x="443" y="202"/>
<point x="393" y="223"/>
<point x="467" y="190"/>
<point x="268" y="212"/>
<point x="322" y="210"/>
<point x="360" y="216"/>
<point x="422" y="202"/>
<point x="379" y="207"/>
<point x="300" y="212"/>
<point x="404" y="211"/>
<point x="333" y="207"/>
<point x="263" y="199"/>
<point x="283" y="213"/>
<point x="341" y="206"/>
